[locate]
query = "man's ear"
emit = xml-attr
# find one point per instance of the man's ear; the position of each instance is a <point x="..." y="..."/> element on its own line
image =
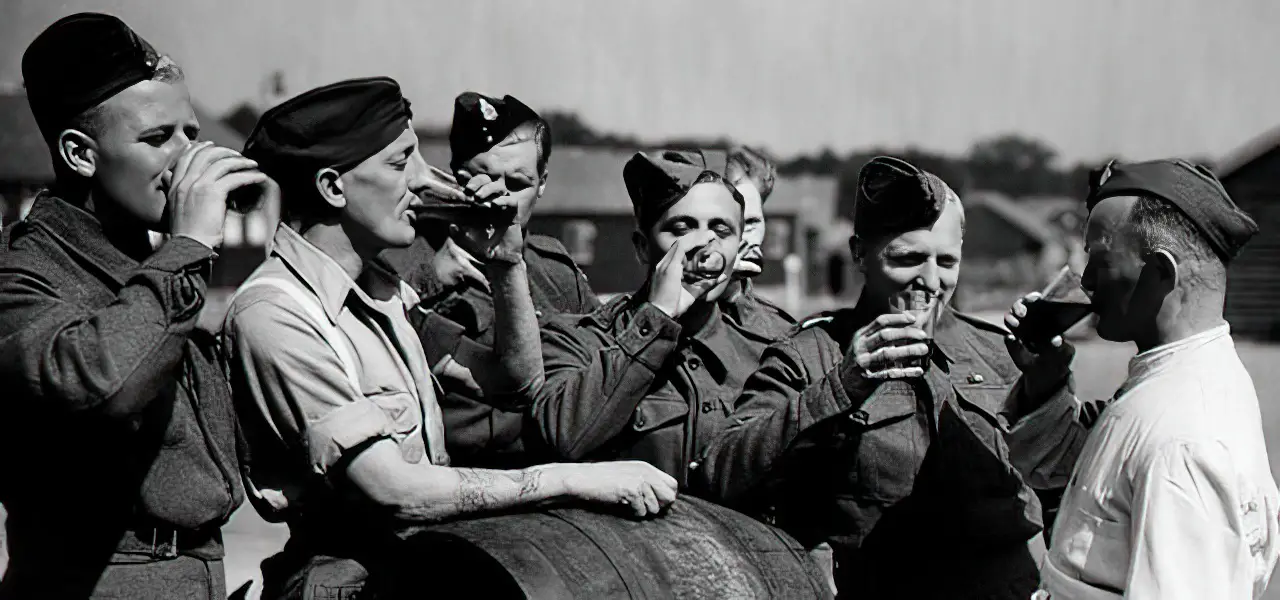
<point x="641" y="243"/>
<point x="78" y="151"/>
<point x="329" y="184"/>
<point x="1166" y="266"/>
<point x="542" y="184"/>
<point x="858" y="250"/>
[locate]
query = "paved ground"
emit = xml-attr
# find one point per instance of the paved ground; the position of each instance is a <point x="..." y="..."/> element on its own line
<point x="1100" y="368"/>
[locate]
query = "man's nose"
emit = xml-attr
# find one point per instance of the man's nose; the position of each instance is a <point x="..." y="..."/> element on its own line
<point x="928" y="278"/>
<point x="417" y="174"/>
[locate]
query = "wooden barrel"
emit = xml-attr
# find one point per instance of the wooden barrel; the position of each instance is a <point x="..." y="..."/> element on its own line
<point x="696" y="550"/>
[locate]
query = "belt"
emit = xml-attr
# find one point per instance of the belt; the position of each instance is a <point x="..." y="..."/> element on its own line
<point x="163" y="541"/>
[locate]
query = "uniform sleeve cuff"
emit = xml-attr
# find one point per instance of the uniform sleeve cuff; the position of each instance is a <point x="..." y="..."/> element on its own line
<point x="650" y="336"/>
<point x="181" y="253"/>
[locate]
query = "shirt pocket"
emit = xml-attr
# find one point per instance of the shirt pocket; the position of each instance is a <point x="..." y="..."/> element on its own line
<point x="890" y="447"/>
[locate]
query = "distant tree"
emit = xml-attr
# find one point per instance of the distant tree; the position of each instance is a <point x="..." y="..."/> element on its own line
<point x="568" y="129"/>
<point x="1014" y="165"/>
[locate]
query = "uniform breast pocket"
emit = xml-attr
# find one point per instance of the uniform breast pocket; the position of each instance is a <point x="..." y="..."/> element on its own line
<point x="891" y="445"/>
<point x="658" y="411"/>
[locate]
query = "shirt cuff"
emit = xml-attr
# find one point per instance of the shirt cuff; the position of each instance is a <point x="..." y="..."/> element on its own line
<point x="650" y="337"/>
<point x="181" y="254"/>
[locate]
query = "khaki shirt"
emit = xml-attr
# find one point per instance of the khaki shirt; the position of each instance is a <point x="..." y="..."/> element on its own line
<point x="308" y="389"/>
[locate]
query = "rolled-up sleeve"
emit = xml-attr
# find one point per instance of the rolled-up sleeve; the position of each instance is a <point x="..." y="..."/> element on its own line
<point x="285" y="374"/>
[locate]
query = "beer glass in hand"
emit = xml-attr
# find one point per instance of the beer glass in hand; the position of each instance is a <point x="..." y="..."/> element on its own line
<point x="925" y="307"/>
<point x="1061" y="305"/>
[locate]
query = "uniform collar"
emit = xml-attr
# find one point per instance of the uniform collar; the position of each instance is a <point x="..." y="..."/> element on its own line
<point x="81" y="233"/>
<point x="330" y="282"/>
<point x="1156" y="359"/>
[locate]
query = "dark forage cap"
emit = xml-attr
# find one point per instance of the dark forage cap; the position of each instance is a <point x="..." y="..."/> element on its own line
<point x="1193" y="189"/>
<point x="335" y="126"/>
<point x="894" y="197"/>
<point x="656" y="181"/>
<point x="481" y="122"/>
<point x="79" y="62"/>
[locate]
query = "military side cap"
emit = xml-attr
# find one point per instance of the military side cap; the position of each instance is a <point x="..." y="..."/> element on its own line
<point x="481" y="122"/>
<point x="894" y="197"/>
<point x="335" y="126"/>
<point x="1193" y="189"/>
<point x="79" y="62"/>
<point x="656" y="181"/>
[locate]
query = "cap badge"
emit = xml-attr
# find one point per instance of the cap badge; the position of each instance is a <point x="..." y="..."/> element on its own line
<point x="490" y="113"/>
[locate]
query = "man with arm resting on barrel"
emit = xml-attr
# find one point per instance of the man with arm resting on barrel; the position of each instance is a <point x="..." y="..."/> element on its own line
<point x="345" y="437"/>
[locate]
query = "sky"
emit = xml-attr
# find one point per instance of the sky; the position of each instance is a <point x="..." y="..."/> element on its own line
<point x="1137" y="79"/>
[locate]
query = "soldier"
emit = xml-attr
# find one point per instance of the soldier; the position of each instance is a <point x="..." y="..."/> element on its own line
<point x="863" y="431"/>
<point x="499" y="141"/>
<point x="116" y="424"/>
<point x="345" y="440"/>
<point x="753" y="174"/>
<point x="652" y="375"/>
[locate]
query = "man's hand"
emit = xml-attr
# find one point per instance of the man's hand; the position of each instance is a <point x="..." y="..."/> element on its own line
<point x="450" y="370"/>
<point x="636" y="484"/>
<point x="503" y="244"/>
<point x="453" y="266"/>
<point x="879" y="347"/>
<point x="1044" y="367"/>
<point x="666" y="286"/>
<point x="198" y="188"/>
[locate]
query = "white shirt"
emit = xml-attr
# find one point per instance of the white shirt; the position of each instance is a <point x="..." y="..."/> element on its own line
<point x="1173" y="495"/>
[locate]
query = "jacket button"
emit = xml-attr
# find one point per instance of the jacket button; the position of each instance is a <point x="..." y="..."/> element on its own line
<point x="707" y="406"/>
<point x="694" y="363"/>
<point x="639" y="418"/>
<point x="861" y="416"/>
<point x="537" y="313"/>
<point x="976" y="378"/>
<point x="644" y="330"/>
<point x="693" y="466"/>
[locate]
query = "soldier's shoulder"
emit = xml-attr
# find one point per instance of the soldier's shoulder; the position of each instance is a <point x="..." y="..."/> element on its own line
<point x="548" y="246"/>
<point x="827" y="325"/>
<point x="769" y="306"/>
<point x="983" y="326"/>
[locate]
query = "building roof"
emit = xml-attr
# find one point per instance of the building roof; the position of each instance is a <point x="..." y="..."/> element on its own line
<point x="589" y="181"/>
<point x="1013" y="213"/>
<point x="25" y="158"/>
<point x="1247" y="153"/>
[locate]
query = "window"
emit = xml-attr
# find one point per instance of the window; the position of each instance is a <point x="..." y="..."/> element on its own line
<point x="580" y="240"/>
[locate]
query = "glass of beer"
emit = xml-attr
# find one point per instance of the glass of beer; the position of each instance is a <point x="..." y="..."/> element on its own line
<point x="1062" y="304"/>
<point x="925" y="306"/>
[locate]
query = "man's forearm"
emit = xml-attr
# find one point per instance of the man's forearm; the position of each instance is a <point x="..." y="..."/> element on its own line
<point x="447" y="493"/>
<point x="517" y="344"/>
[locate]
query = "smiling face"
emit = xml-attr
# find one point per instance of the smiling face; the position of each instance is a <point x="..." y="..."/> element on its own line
<point x="140" y="133"/>
<point x="923" y="259"/>
<point x="514" y="161"/>
<point x="708" y="210"/>
<point x="380" y="191"/>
